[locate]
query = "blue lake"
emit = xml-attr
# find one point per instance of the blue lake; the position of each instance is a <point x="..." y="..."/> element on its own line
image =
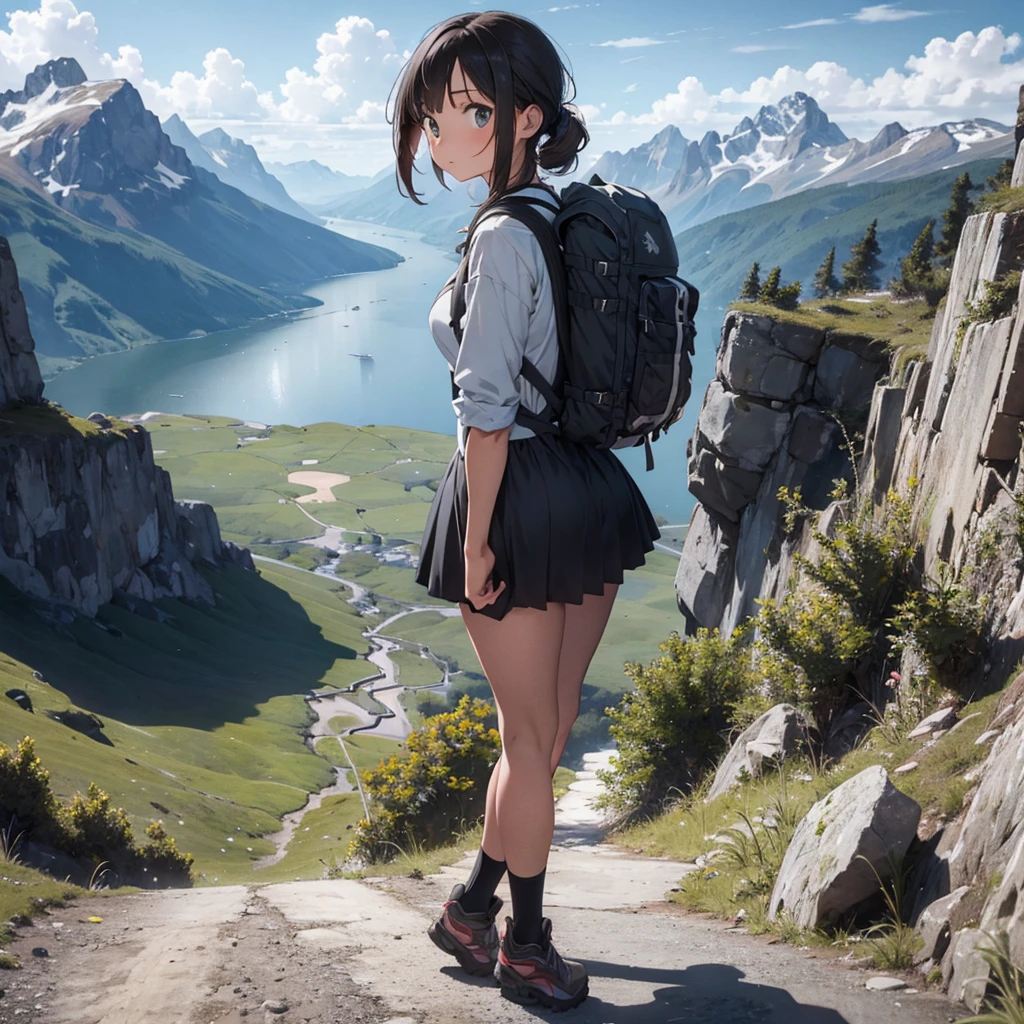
<point x="298" y="369"/>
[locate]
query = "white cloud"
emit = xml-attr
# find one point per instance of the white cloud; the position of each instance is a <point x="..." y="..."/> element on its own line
<point x="755" y="48"/>
<point x="629" y="60"/>
<point x="631" y="88"/>
<point x="813" y="23"/>
<point x="886" y="12"/>
<point x="222" y="90"/>
<point x="966" y="76"/>
<point x="631" y="41"/>
<point x="357" y="64"/>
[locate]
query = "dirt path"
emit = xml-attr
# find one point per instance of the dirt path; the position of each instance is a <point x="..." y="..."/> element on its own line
<point x="348" y="951"/>
<point x="323" y="482"/>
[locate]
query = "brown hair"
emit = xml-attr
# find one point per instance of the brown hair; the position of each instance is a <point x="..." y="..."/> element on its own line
<point x="514" y="64"/>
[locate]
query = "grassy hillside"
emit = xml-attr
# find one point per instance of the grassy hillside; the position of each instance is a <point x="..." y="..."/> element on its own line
<point x="203" y="714"/>
<point x="91" y="290"/>
<point x="797" y="232"/>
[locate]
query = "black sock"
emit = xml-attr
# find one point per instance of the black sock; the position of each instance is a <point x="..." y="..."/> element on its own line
<point x="487" y="873"/>
<point x="527" y="908"/>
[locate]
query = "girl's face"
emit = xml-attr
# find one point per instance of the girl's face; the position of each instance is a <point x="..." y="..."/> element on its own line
<point x="461" y="137"/>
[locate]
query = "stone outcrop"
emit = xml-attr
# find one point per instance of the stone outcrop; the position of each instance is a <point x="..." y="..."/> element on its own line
<point x="20" y="380"/>
<point x="775" y="735"/>
<point x="822" y="876"/>
<point x="86" y="516"/>
<point x="766" y="422"/>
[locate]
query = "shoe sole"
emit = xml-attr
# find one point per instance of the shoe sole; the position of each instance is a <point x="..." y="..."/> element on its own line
<point x="519" y="990"/>
<point x="469" y="963"/>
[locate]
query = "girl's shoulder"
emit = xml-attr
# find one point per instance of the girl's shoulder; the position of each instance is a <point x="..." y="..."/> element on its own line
<point x="501" y="236"/>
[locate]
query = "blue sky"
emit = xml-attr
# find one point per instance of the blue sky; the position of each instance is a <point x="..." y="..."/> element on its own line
<point x="309" y="78"/>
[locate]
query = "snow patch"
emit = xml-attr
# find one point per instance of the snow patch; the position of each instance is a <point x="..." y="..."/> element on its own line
<point x="168" y="177"/>
<point x="53" y="187"/>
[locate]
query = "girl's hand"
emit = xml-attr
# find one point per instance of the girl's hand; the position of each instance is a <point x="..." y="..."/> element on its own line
<point x="480" y="589"/>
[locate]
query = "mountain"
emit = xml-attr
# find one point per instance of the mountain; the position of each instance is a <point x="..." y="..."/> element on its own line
<point x="310" y="181"/>
<point x="796" y="232"/>
<point x="235" y="163"/>
<point x="784" y="149"/>
<point x="648" y="166"/>
<point x="84" y="166"/>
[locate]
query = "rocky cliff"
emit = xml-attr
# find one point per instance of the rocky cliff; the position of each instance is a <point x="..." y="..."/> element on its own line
<point x="86" y="516"/>
<point x="944" y="430"/>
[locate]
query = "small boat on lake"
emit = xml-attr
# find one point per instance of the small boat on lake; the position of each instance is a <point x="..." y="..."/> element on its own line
<point x="175" y="396"/>
<point x="354" y="308"/>
<point x="361" y="355"/>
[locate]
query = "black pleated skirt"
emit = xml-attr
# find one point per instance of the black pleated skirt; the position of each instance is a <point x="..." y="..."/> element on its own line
<point x="567" y="519"/>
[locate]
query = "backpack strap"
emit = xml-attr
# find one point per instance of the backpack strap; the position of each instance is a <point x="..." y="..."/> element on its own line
<point x="523" y="209"/>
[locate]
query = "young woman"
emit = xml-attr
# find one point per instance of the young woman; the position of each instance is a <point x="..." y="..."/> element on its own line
<point x="529" y="532"/>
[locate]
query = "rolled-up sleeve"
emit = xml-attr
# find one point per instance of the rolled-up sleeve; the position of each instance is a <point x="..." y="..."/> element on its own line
<point x="499" y="299"/>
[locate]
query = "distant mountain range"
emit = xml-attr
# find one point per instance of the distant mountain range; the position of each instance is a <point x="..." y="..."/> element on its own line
<point x="785" y="149"/>
<point x="315" y="184"/>
<point x="235" y="163"/>
<point x="120" y="238"/>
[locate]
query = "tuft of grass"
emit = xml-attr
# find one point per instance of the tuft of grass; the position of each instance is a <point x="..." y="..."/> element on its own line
<point x="893" y="942"/>
<point x="1003" y="200"/>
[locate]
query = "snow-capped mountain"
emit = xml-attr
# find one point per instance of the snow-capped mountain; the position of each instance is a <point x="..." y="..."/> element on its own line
<point x="786" y="148"/>
<point x="164" y="244"/>
<point x="236" y="163"/>
<point x="648" y="166"/>
<point x="87" y="142"/>
<point x="312" y="182"/>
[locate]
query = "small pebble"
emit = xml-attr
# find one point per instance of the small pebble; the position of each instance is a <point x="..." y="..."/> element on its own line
<point x="885" y="984"/>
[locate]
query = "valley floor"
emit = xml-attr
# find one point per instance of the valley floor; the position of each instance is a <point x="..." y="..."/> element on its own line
<point x="356" y="951"/>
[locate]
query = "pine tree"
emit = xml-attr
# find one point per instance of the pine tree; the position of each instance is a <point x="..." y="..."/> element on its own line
<point x="916" y="270"/>
<point x="1002" y="177"/>
<point x="769" y="292"/>
<point x="953" y="220"/>
<point x="825" y="283"/>
<point x="752" y="285"/>
<point x="789" y="297"/>
<point x="860" y="272"/>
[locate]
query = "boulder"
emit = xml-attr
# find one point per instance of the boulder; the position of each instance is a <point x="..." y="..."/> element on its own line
<point x="750" y="362"/>
<point x="101" y="421"/>
<point x="704" y="578"/>
<point x="944" y="718"/>
<point x="933" y="924"/>
<point x="1018" y="169"/>
<point x="742" y="432"/>
<point x="798" y="339"/>
<point x="777" y="733"/>
<point x="822" y="875"/>
<point x="964" y="971"/>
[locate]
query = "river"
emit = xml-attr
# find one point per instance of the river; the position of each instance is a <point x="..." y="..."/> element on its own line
<point x="298" y="369"/>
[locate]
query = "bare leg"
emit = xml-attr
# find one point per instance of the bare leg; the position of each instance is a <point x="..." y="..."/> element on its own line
<point x="584" y="626"/>
<point x="520" y="656"/>
<point x="491" y="843"/>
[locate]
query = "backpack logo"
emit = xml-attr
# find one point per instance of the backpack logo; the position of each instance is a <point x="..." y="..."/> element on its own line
<point x="650" y="244"/>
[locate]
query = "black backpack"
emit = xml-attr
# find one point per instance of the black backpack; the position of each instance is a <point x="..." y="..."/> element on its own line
<point x="625" y="318"/>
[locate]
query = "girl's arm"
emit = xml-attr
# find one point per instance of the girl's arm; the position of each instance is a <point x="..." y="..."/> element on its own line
<point x="486" y="454"/>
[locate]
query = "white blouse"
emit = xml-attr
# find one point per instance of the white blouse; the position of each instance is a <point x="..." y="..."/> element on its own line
<point x="509" y="314"/>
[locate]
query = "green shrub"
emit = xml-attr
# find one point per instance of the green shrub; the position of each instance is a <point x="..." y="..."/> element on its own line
<point x="1004" y="1003"/>
<point x="430" y="793"/>
<point x="943" y="623"/>
<point x="995" y="303"/>
<point x="672" y="726"/>
<point x="88" y="828"/>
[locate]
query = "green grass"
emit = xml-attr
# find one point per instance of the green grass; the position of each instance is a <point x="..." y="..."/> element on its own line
<point x="48" y="420"/>
<point x="204" y="714"/>
<point x="564" y="777"/>
<point x="414" y="670"/>
<point x="906" y="326"/>
<point x="1003" y="200"/>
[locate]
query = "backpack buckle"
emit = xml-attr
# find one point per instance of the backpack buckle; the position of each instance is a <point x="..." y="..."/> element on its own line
<point x="602" y="397"/>
<point x="602" y="267"/>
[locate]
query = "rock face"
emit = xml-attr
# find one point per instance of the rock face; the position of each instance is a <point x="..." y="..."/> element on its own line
<point x="85" y="513"/>
<point x="763" y="426"/>
<point x="776" y="734"/>
<point x="20" y="380"/>
<point x="822" y="876"/>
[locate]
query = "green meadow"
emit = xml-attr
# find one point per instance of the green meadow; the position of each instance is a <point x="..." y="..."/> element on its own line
<point x="203" y="714"/>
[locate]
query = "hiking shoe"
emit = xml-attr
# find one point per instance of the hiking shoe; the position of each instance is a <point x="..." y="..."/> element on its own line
<point x="471" y="938"/>
<point x="537" y="974"/>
